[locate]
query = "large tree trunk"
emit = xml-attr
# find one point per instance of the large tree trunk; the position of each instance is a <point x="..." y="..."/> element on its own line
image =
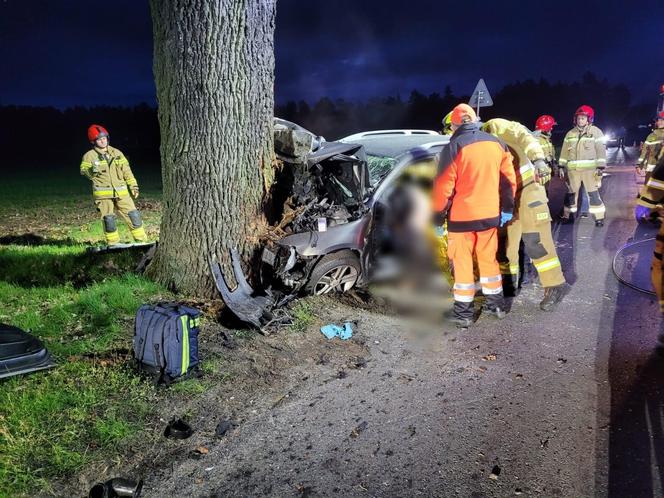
<point x="214" y="72"/>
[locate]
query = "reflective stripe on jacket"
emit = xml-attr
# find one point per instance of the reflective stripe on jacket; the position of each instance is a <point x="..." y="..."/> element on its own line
<point x="522" y="144"/>
<point x="475" y="182"/>
<point x="651" y="149"/>
<point x="545" y="141"/>
<point x="109" y="171"/>
<point x="652" y="193"/>
<point x="583" y="149"/>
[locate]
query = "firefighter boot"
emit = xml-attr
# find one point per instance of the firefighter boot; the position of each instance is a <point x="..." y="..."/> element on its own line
<point x="552" y="296"/>
<point x="511" y="285"/>
<point x="495" y="306"/>
<point x="461" y="316"/>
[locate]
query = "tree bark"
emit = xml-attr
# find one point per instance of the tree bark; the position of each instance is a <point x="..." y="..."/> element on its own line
<point x="214" y="73"/>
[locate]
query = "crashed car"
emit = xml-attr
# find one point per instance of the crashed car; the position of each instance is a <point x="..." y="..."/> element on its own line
<point x="340" y="204"/>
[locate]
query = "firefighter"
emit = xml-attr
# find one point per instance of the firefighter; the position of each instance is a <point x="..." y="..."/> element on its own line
<point x="112" y="182"/>
<point x="583" y="157"/>
<point x="474" y="191"/>
<point x="532" y="220"/>
<point x="543" y="128"/>
<point x="447" y="124"/>
<point x="651" y="202"/>
<point x="652" y="147"/>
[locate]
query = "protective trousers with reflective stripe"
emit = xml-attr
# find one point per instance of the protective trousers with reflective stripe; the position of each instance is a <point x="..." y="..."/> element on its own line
<point x="656" y="269"/>
<point x="461" y="250"/>
<point x="532" y="224"/>
<point x="589" y="179"/>
<point x="124" y="206"/>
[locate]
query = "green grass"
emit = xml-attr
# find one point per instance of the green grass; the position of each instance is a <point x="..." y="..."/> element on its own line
<point x="54" y="423"/>
<point x="57" y="204"/>
<point x="303" y="316"/>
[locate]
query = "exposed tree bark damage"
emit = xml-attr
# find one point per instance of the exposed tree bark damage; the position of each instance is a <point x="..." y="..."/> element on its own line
<point x="214" y="73"/>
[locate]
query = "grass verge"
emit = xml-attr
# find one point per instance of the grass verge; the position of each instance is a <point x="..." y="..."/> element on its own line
<point x="55" y="422"/>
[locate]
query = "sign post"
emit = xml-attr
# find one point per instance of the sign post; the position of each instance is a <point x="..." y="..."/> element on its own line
<point x="480" y="97"/>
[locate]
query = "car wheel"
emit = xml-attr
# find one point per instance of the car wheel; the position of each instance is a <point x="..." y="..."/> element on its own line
<point x="336" y="272"/>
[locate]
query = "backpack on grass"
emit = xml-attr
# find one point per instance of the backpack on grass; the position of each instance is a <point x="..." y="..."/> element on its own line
<point x="166" y="341"/>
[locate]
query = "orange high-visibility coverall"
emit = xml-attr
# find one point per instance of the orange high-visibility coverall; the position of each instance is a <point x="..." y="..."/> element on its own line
<point x="475" y="183"/>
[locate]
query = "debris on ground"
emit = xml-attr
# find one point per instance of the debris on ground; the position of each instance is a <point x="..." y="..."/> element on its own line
<point x="359" y="429"/>
<point x="178" y="429"/>
<point x="246" y="303"/>
<point x="117" y="486"/>
<point x="21" y="353"/>
<point x="333" y="330"/>
<point x="223" y="427"/>
<point x="495" y="472"/>
<point x="198" y="453"/>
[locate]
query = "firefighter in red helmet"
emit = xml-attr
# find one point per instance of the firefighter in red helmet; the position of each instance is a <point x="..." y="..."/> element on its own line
<point x="543" y="128"/>
<point x="583" y="158"/>
<point x="113" y="186"/>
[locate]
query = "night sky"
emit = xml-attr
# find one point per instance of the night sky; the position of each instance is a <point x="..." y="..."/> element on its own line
<point x="70" y="52"/>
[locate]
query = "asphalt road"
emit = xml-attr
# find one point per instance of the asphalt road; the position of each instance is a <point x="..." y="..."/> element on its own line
<point x="567" y="404"/>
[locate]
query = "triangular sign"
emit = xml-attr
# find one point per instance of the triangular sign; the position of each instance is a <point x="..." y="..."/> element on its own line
<point x="481" y="96"/>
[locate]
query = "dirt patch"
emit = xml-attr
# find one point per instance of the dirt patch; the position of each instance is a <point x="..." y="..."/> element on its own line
<point x="247" y="374"/>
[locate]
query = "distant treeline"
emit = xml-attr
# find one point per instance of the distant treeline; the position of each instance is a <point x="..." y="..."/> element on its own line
<point x="521" y="101"/>
<point x="49" y="137"/>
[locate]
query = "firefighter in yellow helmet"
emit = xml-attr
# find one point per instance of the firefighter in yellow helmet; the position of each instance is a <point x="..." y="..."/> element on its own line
<point x="532" y="221"/>
<point x="447" y="124"/>
<point x="583" y="157"/>
<point x="112" y="181"/>
<point x="652" y="147"/>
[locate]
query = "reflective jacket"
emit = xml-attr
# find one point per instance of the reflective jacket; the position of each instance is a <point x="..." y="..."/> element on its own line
<point x="652" y="193"/>
<point x="475" y="181"/>
<point x="544" y="140"/>
<point x="109" y="171"/>
<point x="651" y="149"/>
<point x="522" y="144"/>
<point x="583" y="149"/>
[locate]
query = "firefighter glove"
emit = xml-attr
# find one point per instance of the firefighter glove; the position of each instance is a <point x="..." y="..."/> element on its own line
<point x="542" y="171"/>
<point x="505" y="218"/>
<point x="561" y="172"/>
<point x="641" y="213"/>
<point x="134" y="191"/>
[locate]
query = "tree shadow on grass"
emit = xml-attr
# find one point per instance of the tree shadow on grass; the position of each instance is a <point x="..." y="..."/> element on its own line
<point x="47" y="265"/>
<point x="32" y="239"/>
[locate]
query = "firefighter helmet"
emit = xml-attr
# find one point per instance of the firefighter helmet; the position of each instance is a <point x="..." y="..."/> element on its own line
<point x="96" y="131"/>
<point x="545" y="123"/>
<point x="463" y="113"/>
<point x="585" y="110"/>
<point x="447" y="123"/>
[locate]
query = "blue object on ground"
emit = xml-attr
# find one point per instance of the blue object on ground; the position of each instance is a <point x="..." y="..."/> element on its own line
<point x="332" y="330"/>
<point x="347" y="331"/>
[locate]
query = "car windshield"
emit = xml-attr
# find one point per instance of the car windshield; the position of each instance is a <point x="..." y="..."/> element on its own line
<point x="384" y="151"/>
<point x="379" y="167"/>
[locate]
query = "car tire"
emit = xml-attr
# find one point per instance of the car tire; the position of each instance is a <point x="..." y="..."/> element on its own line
<point x="336" y="272"/>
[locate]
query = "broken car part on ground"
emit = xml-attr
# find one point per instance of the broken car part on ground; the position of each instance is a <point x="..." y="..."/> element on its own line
<point x="21" y="353"/>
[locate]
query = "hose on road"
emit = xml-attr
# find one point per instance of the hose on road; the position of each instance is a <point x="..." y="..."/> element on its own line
<point x="617" y="274"/>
